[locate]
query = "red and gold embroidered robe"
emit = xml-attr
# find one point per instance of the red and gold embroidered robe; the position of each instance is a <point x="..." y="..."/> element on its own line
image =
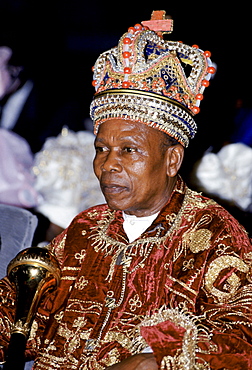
<point x="183" y="288"/>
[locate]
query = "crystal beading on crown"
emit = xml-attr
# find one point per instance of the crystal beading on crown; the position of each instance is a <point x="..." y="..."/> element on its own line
<point x="144" y="79"/>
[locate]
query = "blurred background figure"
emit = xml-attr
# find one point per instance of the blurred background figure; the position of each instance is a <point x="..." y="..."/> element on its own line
<point x="226" y="176"/>
<point x="16" y="178"/>
<point x="26" y="108"/>
<point x="17" y="197"/>
<point x="65" y="180"/>
<point x="9" y="74"/>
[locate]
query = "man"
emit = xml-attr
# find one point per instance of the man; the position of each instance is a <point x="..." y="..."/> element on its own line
<point x="159" y="277"/>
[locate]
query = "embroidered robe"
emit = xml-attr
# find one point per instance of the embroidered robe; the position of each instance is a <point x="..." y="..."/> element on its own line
<point x="183" y="288"/>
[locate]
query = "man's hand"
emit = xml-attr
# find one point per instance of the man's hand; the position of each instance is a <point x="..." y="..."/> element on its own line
<point x="143" y="361"/>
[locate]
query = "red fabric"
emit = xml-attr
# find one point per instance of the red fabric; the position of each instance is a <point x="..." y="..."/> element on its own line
<point x="164" y="338"/>
<point x="233" y="353"/>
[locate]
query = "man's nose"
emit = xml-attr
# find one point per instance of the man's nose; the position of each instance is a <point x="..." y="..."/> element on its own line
<point x="112" y="162"/>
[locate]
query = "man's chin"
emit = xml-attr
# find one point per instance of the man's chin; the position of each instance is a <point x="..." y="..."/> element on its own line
<point x="116" y="204"/>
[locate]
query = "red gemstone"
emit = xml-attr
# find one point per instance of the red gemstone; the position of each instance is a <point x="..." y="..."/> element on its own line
<point x="127" y="70"/>
<point x="199" y="96"/>
<point x="131" y="30"/>
<point x="205" y="83"/>
<point x="207" y="53"/>
<point x="196" y="110"/>
<point x="195" y="46"/>
<point x="138" y="26"/>
<point x="94" y="82"/>
<point x="126" y="54"/>
<point x="127" y="40"/>
<point x="125" y="84"/>
<point x="211" y="70"/>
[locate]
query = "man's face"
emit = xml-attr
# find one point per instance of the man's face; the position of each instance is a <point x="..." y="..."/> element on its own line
<point x="131" y="167"/>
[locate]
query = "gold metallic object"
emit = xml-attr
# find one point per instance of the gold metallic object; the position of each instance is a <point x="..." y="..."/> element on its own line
<point x="34" y="272"/>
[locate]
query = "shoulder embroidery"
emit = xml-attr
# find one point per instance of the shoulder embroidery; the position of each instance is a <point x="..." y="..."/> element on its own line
<point x="232" y="283"/>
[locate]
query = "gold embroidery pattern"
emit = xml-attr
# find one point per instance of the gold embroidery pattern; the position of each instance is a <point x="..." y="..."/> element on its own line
<point x="102" y="242"/>
<point x="172" y="363"/>
<point x="185" y="286"/>
<point x="248" y="260"/>
<point x="80" y="256"/>
<point x="51" y="362"/>
<point x="112" y="357"/>
<point x="70" y="268"/>
<point x="188" y="265"/>
<point x="93" y="214"/>
<point x="222" y="249"/>
<point x="81" y="283"/>
<point x="58" y="250"/>
<point x="90" y="363"/>
<point x="74" y="336"/>
<point x="196" y="274"/>
<point x="200" y="240"/>
<point x="180" y="294"/>
<point x="170" y="218"/>
<point x="58" y="317"/>
<point x="77" y="306"/>
<point x="34" y="329"/>
<point x="196" y="201"/>
<point x="135" y="303"/>
<point x="68" y="278"/>
<point x="61" y="245"/>
<point x="233" y="282"/>
<point x="195" y="238"/>
<point x="126" y="340"/>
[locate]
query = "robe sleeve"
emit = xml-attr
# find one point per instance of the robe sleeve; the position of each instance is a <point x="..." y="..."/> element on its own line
<point x="217" y="332"/>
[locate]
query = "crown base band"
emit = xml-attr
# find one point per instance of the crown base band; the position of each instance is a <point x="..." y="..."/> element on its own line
<point x="141" y="94"/>
<point x="144" y="108"/>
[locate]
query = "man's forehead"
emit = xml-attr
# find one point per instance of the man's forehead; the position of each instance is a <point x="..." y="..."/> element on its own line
<point x="114" y="133"/>
<point x="127" y="127"/>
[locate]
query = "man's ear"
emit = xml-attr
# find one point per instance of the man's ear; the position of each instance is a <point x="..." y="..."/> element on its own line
<point x="174" y="157"/>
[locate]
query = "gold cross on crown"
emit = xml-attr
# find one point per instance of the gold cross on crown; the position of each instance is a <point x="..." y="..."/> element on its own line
<point x="159" y="22"/>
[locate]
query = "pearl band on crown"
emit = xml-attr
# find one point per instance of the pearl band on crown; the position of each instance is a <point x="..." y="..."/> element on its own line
<point x="151" y="109"/>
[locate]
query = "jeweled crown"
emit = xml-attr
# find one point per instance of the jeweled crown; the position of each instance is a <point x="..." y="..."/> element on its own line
<point x="145" y="79"/>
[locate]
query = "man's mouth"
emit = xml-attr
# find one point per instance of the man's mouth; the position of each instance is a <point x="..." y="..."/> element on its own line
<point x="112" y="188"/>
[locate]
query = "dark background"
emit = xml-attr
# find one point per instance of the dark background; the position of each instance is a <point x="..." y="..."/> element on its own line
<point x="61" y="40"/>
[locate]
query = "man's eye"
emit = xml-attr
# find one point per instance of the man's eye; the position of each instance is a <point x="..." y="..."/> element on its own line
<point x="130" y="150"/>
<point x="100" y="149"/>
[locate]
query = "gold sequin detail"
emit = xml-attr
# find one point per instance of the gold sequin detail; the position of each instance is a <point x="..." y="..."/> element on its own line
<point x="200" y="240"/>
